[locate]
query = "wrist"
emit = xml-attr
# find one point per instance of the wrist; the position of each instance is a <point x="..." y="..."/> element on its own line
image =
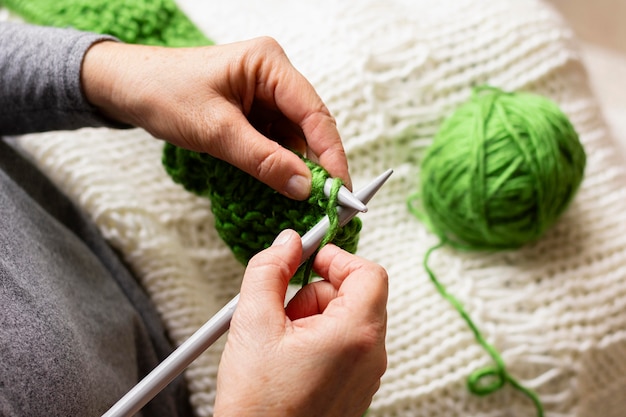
<point x="103" y="77"/>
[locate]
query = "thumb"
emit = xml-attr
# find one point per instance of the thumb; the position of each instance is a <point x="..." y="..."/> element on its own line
<point x="267" y="276"/>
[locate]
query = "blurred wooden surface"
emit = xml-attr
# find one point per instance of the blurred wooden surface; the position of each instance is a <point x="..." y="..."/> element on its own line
<point x="601" y="28"/>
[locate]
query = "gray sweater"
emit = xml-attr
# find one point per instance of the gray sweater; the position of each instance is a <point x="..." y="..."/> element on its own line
<point x="76" y="329"/>
<point x="40" y="79"/>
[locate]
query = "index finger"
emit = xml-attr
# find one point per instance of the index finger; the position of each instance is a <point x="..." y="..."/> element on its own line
<point x="322" y="137"/>
<point x="295" y="97"/>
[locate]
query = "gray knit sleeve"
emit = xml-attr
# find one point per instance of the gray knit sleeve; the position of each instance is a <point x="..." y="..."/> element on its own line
<point x="40" y="79"/>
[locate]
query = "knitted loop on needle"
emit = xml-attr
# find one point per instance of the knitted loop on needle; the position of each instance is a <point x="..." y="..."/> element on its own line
<point x="248" y="213"/>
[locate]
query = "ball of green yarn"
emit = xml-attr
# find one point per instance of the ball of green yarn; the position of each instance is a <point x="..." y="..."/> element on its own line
<point x="249" y="214"/>
<point x="500" y="171"/>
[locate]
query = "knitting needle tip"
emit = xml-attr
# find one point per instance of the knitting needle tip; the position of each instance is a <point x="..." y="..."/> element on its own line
<point x="345" y="197"/>
<point x="366" y="193"/>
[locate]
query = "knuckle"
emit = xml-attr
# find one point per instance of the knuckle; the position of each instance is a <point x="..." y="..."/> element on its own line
<point x="269" y="43"/>
<point x="370" y="342"/>
<point x="369" y="268"/>
<point x="374" y="271"/>
<point x="263" y="47"/>
<point x="320" y="118"/>
<point x="380" y="272"/>
<point x="269" y="262"/>
<point x="269" y="163"/>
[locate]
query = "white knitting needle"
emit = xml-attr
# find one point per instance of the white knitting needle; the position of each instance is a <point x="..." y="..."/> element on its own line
<point x="213" y="329"/>
<point x="344" y="196"/>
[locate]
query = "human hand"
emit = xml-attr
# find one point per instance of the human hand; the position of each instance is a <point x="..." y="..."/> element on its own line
<point x="322" y="355"/>
<point x="242" y="102"/>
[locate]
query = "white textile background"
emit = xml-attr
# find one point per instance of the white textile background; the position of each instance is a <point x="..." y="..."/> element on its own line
<point x="556" y="309"/>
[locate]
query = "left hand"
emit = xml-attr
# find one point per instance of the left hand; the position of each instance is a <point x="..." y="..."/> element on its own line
<point x="243" y="102"/>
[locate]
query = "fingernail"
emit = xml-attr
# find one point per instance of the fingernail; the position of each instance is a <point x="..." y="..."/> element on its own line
<point x="298" y="187"/>
<point x="283" y="238"/>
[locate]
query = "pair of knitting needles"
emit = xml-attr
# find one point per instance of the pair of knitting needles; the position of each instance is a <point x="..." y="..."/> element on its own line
<point x="349" y="205"/>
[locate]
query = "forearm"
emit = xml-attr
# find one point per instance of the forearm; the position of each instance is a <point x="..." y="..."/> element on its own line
<point x="40" y="86"/>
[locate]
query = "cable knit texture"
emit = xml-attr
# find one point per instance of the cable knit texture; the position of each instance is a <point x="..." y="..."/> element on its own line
<point x="555" y="309"/>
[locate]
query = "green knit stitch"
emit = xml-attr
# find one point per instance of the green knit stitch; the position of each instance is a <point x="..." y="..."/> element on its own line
<point x="149" y="22"/>
<point x="249" y="214"/>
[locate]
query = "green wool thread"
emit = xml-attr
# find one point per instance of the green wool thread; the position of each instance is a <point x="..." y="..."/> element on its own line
<point x="249" y="214"/>
<point x="499" y="173"/>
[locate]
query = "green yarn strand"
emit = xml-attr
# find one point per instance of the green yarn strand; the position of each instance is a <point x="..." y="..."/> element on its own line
<point x="490" y="379"/>
<point x="331" y="212"/>
<point x="333" y="217"/>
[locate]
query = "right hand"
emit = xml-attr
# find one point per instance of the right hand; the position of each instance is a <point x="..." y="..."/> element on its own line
<point x="322" y="355"/>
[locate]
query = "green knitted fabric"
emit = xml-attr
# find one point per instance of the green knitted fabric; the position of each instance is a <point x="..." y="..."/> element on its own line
<point x="248" y="213"/>
<point x="149" y="22"/>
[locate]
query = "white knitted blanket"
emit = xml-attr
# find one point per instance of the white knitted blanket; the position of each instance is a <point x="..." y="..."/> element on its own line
<point x="555" y="309"/>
